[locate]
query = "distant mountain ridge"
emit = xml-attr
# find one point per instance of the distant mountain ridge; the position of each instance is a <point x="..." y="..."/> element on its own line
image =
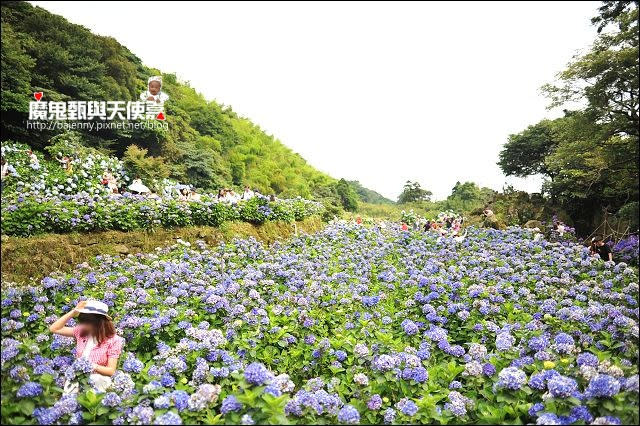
<point x="369" y="195"/>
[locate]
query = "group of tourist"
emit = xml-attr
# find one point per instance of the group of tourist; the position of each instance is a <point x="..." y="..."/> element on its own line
<point x="228" y="195"/>
<point x="33" y="160"/>
<point x="34" y="163"/>
<point x="111" y="184"/>
<point x="66" y="162"/>
<point x="185" y="192"/>
<point x="136" y="186"/>
<point x="447" y="224"/>
<point x="450" y="225"/>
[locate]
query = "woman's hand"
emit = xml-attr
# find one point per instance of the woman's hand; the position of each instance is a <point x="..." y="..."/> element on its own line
<point x="80" y="305"/>
<point x="59" y="326"/>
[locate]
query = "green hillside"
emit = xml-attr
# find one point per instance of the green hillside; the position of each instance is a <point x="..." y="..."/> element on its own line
<point x="367" y="195"/>
<point x="206" y="144"/>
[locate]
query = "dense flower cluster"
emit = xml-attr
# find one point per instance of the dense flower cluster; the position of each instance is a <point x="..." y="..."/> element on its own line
<point x="355" y="324"/>
<point x="85" y="213"/>
<point x="626" y="250"/>
<point x="48" y="179"/>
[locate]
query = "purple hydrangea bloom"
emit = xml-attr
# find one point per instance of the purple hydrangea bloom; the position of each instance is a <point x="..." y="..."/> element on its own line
<point x="587" y="358"/>
<point x="256" y="373"/>
<point x="407" y="407"/>
<point x="535" y="409"/>
<point x="409" y="327"/>
<point x="512" y="378"/>
<point x="602" y="386"/>
<point x="349" y="415"/>
<point x="538" y="381"/>
<point x="168" y="380"/>
<point x="374" y="403"/>
<point x="229" y="404"/>
<point x="582" y="413"/>
<point x="132" y="365"/>
<point x="168" y="418"/>
<point x="180" y="399"/>
<point x="29" y="390"/>
<point x="548" y="419"/>
<point x="562" y="386"/>
<point x="111" y="399"/>
<point x="455" y="384"/>
<point x="488" y="369"/>
<point x="504" y="341"/>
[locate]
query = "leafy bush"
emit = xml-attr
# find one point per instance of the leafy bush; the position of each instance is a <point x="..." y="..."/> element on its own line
<point x="149" y="169"/>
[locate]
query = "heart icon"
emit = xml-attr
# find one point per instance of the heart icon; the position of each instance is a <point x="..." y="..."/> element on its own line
<point x="160" y="116"/>
<point x="37" y="95"/>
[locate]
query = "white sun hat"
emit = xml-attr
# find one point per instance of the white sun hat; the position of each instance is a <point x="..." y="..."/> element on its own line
<point x="95" y="307"/>
<point x="157" y="78"/>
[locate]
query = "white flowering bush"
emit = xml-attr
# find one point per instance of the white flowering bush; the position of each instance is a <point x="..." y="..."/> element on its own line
<point x="50" y="179"/>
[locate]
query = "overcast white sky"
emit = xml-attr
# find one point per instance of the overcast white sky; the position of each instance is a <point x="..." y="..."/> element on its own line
<point x="378" y="92"/>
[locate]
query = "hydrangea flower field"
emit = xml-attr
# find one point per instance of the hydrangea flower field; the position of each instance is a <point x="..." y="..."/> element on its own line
<point x="87" y="213"/>
<point x="41" y="198"/>
<point x="355" y="324"/>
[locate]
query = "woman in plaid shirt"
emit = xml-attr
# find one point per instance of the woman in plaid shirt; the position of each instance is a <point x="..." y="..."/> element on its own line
<point x="96" y="340"/>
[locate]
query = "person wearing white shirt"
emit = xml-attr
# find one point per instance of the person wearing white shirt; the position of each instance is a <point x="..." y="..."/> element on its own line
<point x="33" y="160"/>
<point x="5" y="168"/>
<point x="248" y="193"/>
<point x="138" y="187"/>
<point x="5" y="172"/>
<point x="233" y="197"/>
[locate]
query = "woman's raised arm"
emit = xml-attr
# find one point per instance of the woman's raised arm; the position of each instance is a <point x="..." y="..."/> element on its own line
<point x="59" y="327"/>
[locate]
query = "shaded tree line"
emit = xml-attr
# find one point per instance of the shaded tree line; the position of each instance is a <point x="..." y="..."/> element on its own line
<point x="589" y="156"/>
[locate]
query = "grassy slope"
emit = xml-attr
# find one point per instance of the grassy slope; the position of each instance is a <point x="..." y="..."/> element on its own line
<point x="27" y="259"/>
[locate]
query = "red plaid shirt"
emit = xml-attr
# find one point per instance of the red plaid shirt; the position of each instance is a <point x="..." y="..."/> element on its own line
<point x="100" y="354"/>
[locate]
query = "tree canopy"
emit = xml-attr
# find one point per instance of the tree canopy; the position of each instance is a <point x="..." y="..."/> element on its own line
<point x="589" y="156"/>
<point x="413" y="192"/>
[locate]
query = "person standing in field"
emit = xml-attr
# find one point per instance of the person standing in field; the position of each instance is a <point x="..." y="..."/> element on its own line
<point x="65" y="161"/>
<point x="248" y="193"/>
<point x="5" y="171"/>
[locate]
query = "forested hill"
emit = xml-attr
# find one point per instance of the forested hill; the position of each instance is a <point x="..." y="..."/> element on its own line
<point x="368" y="195"/>
<point x="206" y="144"/>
